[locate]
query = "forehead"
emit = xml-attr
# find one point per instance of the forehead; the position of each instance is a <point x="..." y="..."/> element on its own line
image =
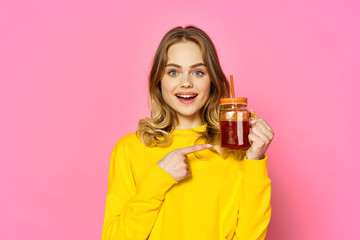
<point x="184" y="53"/>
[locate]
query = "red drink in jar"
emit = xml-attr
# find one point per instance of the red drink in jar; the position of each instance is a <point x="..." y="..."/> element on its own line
<point x="234" y="134"/>
<point x="234" y="123"/>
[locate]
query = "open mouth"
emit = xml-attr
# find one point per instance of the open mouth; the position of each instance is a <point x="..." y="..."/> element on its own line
<point x="186" y="98"/>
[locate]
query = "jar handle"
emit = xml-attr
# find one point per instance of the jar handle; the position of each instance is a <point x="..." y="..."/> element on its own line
<point x="252" y="115"/>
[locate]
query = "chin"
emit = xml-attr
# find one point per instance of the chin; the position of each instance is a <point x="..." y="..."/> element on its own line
<point x="187" y="114"/>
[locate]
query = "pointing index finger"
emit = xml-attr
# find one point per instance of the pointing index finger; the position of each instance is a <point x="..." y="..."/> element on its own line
<point x="194" y="148"/>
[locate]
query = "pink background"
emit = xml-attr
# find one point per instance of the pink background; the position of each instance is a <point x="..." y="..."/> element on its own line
<point x="73" y="81"/>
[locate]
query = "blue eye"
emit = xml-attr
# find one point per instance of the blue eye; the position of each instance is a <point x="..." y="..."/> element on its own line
<point x="198" y="73"/>
<point x="173" y="73"/>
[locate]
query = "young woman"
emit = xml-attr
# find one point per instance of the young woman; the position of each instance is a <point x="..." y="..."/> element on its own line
<point x="170" y="180"/>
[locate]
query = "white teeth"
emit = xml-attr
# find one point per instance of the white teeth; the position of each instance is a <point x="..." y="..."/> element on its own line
<point x="186" y="96"/>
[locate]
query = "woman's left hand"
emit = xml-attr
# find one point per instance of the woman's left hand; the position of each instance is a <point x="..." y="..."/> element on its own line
<point x="260" y="138"/>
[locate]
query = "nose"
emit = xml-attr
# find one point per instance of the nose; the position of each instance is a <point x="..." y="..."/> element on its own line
<point x="186" y="81"/>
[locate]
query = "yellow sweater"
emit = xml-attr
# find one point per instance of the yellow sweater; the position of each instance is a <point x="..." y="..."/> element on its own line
<point x="223" y="199"/>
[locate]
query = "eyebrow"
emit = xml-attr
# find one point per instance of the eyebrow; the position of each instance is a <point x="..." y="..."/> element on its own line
<point x="178" y="66"/>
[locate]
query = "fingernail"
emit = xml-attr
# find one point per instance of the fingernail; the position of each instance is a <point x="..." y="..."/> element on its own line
<point x="208" y="145"/>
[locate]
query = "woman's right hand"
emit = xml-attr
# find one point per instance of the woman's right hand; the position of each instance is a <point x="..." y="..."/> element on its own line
<point x="176" y="162"/>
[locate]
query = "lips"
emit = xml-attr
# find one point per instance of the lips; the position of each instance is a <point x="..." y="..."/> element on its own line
<point x="186" y="97"/>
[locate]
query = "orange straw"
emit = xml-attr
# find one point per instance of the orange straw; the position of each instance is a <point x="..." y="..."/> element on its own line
<point x="232" y="86"/>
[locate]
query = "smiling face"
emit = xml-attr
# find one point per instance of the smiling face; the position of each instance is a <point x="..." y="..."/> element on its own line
<point x="186" y="83"/>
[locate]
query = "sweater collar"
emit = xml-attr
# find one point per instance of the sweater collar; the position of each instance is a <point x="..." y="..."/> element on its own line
<point x="190" y="131"/>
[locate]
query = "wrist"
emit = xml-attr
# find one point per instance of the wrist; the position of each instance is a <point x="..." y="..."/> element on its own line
<point x="249" y="157"/>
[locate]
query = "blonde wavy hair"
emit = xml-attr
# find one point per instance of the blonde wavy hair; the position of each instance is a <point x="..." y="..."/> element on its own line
<point x="156" y="129"/>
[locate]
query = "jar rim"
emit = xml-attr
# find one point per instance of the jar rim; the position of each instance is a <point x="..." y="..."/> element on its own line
<point x="241" y="100"/>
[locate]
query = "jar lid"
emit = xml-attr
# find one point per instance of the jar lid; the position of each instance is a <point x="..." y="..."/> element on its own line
<point x="233" y="100"/>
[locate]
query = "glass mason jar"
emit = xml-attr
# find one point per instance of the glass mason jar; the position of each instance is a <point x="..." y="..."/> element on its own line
<point x="234" y="123"/>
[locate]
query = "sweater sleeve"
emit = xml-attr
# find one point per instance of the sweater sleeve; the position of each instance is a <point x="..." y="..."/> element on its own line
<point x="254" y="205"/>
<point x="131" y="209"/>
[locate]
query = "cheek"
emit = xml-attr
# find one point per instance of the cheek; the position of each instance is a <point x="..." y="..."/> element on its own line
<point x="167" y="88"/>
<point x="205" y="88"/>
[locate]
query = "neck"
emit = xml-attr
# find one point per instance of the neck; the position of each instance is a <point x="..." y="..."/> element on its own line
<point x="188" y="122"/>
